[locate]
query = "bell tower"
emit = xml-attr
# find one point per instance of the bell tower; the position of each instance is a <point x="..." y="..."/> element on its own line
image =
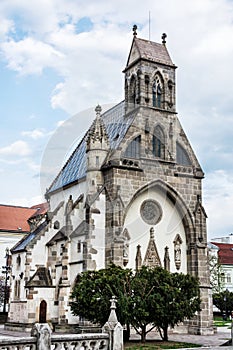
<point x="149" y="75"/>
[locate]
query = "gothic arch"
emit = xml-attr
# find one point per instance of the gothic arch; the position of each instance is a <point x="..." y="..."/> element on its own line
<point x="176" y="200"/>
<point x="43" y="312"/>
<point x="133" y="149"/>
<point x="157" y="89"/>
<point x="132" y="90"/>
<point x="182" y="156"/>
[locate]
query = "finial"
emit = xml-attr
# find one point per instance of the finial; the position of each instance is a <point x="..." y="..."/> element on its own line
<point x="164" y="35"/>
<point x="98" y="110"/>
<point x="135" y="30"/>
<point x="113" y="317"/>
<point x="152" y="232"/>
<point x="113" y="303"/>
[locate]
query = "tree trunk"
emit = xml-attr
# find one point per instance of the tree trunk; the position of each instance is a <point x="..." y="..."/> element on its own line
<point x="126" y="332"/>
<point x="165" y="333"/>
<point x="143" y="334"/>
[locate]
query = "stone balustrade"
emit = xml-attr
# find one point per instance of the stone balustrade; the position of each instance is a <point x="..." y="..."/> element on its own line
<point x="89" y="341"/>
<point x="18" y="343"/>
<point x="42" y="338"/>
<point x="80" y="342"/>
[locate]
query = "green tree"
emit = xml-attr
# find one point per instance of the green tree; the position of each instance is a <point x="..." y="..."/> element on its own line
<point x="94" y="289"/>
<point x="224" y="302"/>
<point x="152" y="297"/>
<point x="216" y="274"/>
<point x="163" y="299"/>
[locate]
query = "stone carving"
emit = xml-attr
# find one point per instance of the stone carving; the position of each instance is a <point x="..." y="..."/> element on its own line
<point x="151" y="212"/>
<point x="42" y="332"/>
<point x="114" y="328"/>
<point x="152" y="257"/>
<point x="177" y="251"/>
<point x="126" y="239"/>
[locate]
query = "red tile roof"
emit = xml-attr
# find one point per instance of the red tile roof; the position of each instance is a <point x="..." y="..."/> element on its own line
<point x="40" y="209"/>
<point x="225" y="253"/>
<point x="15" y="218"/>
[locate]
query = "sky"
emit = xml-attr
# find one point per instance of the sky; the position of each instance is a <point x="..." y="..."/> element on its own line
<point x="60" y="58"/>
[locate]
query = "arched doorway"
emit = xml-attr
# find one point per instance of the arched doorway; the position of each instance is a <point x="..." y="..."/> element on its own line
<point x="43" y="312"/>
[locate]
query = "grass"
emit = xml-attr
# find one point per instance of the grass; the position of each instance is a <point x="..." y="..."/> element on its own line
<point x="219" y="322"/>
<point x="157" y="345"/>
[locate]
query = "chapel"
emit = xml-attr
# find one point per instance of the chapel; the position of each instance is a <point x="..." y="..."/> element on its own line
<point x="129" y="194"/>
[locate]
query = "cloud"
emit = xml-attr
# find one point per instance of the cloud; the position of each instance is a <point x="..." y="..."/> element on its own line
<point x="218" y="198"/>
<point x="26" y="201"/>
<point x="17" y="148"/>
<point x="35" y="134"/>
<point x="29" y="56"/>
<point x="86" y="44"/>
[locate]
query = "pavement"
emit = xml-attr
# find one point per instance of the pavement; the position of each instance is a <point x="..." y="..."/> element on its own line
<point x="215" y="341"/>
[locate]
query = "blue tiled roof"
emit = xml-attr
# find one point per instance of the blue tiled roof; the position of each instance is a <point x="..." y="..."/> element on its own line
<point x="75" y="168"/>
<point x="21" y="245"/>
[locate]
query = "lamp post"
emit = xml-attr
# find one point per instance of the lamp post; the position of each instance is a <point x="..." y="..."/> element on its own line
<point x="6" y="272"/>
<point x="225" y="305"/>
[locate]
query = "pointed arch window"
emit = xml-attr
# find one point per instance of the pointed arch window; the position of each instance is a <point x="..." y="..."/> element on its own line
<point x="134" y="148"/>
<point x="158" y="143"/>
<point x="182" y="156"/>
<point x="132" y="91"/>
<point x="157" y="92"/>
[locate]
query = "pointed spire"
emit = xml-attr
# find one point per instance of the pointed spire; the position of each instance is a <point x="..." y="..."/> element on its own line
<point x="152" y="257"/>
<point x="166" y="259"/>
<point x="97" y="132"/>
<point x="138" y="258"/>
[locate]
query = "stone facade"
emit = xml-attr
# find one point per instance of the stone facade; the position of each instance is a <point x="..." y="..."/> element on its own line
<point x="129" y="194"/>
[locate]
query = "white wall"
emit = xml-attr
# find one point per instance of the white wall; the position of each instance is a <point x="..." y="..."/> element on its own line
<point x="164" y="232"/>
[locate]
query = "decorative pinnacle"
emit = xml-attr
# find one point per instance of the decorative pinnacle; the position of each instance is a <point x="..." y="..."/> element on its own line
<point x="164" y="35"/>
<point x="135" y="30"/>
<point x="113" y="317"/>
<point x="98" y="110"/>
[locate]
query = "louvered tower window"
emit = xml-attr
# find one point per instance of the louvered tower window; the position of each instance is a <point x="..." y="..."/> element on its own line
<point x="133" y="149"/>
<point x="158" y="143"/>
<point x="157" y="93"/>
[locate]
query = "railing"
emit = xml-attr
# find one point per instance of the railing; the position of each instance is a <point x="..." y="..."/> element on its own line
<point x="42" y="338"/>
<point x="99" y="341"/>
<point x="18" y="343"/>
<point x="90" y="341"/>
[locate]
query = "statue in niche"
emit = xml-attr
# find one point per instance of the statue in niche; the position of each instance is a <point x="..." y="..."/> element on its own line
<point x="177" y="251"/>
<point x="126" y="239"/>
<point x="69" y="208"/>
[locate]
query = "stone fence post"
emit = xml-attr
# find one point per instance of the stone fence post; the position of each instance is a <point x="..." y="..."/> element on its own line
<point x="42" y="332"/>
<point x="114" y="329"/>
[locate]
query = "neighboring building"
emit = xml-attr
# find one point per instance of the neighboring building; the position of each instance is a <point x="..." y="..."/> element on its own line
<point x="15" y="223"/>
<point x="224" y="239"/>
<point x="130" y="194"/>
<point x="13" y="226"/>
<point x="225" y="260"/>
